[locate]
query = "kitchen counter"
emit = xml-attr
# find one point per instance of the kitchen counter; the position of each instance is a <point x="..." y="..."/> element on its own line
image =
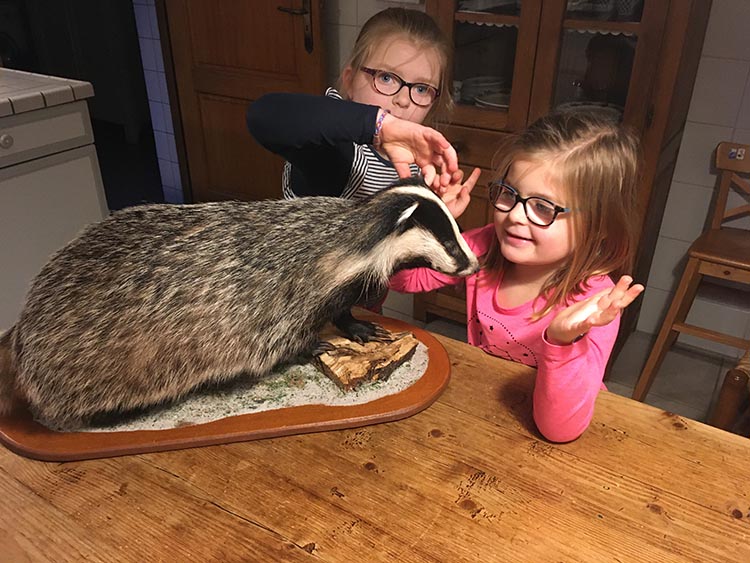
<point x="50" y="182"/>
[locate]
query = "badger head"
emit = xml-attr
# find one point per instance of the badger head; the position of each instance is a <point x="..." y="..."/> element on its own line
<point x="420" y="231"/>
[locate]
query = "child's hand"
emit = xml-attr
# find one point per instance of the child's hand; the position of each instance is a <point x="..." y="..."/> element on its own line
<point x="456" y="195"/>
<point x="598" y="310"/>
<point x="406" y="142"/>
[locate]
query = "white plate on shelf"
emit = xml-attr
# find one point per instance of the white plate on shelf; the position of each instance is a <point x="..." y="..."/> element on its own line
<point x="498" y="100"/>
<point x="611" y="110"/>
<point x="478" y="86"/>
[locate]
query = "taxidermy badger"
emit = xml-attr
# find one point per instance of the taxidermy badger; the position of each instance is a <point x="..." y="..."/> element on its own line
<point x="158" y="300"/>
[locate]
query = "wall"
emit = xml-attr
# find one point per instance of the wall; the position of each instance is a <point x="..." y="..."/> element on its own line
<point x="158" y="99"/>
<point x="719" y="111"/>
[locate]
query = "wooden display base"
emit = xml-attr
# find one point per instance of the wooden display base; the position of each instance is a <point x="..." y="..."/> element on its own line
<point x="21" y="434"/>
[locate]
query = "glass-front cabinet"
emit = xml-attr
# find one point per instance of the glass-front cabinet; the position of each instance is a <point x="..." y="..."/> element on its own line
<point x="515" y="60"/>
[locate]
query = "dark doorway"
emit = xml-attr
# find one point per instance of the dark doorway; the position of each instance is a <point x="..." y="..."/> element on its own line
<point x="95" y="41"/>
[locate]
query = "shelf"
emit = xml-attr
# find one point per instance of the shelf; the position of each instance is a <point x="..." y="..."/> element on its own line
<point x="594" y="26"/>
<point x="481" y="18"/>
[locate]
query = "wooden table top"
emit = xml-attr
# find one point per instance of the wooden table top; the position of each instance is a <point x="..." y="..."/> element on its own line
<point x="467" y="479"/>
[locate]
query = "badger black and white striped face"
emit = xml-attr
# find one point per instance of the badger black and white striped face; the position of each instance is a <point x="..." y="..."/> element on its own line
<point x="427" y="235"/>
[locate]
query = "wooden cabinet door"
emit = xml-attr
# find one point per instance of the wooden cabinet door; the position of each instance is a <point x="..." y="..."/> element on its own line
<point x="598" y="59"/>
<point x="227" y="54"/>
<point x="494" y="52"/>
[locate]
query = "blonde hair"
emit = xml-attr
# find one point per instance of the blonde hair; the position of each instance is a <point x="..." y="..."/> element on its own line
<point x="418" y="28"/>
<point x="597" y="163"/>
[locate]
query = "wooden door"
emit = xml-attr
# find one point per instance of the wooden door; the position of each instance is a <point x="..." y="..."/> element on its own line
<point x="227" y="54"/>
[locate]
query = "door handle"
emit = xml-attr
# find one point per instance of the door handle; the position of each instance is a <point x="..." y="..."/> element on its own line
<point x="305" y="13"/>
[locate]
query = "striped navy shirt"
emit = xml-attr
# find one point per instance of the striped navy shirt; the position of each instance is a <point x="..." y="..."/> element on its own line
<point x="326" y="141"/>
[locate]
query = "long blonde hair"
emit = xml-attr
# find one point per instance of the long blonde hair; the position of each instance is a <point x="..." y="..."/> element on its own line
<point x="597" y="164"/>
<point x="418" y="28"/>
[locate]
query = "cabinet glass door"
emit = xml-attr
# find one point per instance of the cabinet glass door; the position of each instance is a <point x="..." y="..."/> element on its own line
<point x="595" y="55"/>
<point x="610" y="10"/>
<point x="594" y="70"/>
<point x="494" y="43"/>
<point x="485" y="50"/>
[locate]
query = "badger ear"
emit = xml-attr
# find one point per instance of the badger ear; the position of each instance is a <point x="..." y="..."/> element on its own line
<point x="406" y="213"/>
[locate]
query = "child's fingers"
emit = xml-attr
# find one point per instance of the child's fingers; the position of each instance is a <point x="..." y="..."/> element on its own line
<point x="445" y="178"/>
<point x="623" y="294"/>
<point x="442" y="147"/>
<point x="429" y="173"/>
<point x="630" y="295"/>
<point x="472" y="180"/>
<point x="613" y="303"/>
<point x="450" y="159"/>
<point x="402" y="169"/>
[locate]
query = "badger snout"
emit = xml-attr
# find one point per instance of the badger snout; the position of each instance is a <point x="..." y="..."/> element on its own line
<point x="455" y="260"/>
<point x="469" y="267"/>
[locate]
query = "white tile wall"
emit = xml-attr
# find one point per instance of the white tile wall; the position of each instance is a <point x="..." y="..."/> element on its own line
<point x="686" y="212"/>
<point x="718" y="106"/>
<point x="719" y="111"/>
<point x="726" y="35"/>
<point x="158" y="99"/>
<point x="669" y="255"/>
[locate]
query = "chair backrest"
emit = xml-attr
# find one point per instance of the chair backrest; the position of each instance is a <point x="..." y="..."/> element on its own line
<point x="731" y="159"/>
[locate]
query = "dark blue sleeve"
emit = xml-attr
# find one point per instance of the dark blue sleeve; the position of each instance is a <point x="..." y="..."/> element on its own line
<point x="315" y="134"/>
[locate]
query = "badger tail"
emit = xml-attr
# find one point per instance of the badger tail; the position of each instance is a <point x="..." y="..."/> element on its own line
<point x="7" y="374"/>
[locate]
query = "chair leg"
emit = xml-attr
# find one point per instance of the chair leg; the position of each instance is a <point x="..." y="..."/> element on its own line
<point x="733" y="392"/>
<point x="677" y="312"/>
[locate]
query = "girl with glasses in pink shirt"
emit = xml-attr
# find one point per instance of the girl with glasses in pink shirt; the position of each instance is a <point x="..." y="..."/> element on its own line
<point x="563" y="224"/>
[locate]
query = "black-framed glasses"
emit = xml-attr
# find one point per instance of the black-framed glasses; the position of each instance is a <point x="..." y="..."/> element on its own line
<point x="390" y="84"/>
<point x="540" y="211"/>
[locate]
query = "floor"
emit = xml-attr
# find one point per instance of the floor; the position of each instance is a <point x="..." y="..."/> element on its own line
<point x="687" y="384"/>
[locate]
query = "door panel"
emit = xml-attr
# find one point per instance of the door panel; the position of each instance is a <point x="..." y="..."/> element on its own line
<point x="226" y="55"/>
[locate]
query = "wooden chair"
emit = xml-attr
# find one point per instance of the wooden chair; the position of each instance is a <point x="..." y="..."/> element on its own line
<point x="732" y="410"/>
<point x="720" y="252"/>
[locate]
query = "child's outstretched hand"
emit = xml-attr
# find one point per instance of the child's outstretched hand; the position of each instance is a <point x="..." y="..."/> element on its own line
<point x="406" y="142"/>
<point x="457" y="194"/>
<point x="598" y="310"/>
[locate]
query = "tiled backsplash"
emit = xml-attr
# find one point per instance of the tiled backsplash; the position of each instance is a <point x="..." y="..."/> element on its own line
<point x="158" y="99"/>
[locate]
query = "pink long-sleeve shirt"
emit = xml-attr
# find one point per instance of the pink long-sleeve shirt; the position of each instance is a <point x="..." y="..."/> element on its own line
<point x="568" y="377"/>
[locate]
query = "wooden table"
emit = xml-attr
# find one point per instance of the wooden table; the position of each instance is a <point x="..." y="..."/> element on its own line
<point x="468" y="479"/>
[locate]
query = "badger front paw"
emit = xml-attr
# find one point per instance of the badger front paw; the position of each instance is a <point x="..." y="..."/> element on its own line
<point x="358" y="330"/>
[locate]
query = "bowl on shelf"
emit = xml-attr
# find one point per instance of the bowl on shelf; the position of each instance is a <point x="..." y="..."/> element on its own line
<point x="612" y="111"/>
<point x="497" y="100"/>
<point x="478" y="86"/>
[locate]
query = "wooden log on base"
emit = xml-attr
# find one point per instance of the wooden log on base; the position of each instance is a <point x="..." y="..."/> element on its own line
<point x="350" y="363"/>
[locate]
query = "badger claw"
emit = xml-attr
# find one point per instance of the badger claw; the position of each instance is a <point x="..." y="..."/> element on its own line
<point x="357" y="330"/>
<point x="322" y="347"/>
<point x="362" y="331"/>
<point x="381" y="332"/>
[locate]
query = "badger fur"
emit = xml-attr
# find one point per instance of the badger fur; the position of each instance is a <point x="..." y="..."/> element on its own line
<point x="158" y="300"/>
